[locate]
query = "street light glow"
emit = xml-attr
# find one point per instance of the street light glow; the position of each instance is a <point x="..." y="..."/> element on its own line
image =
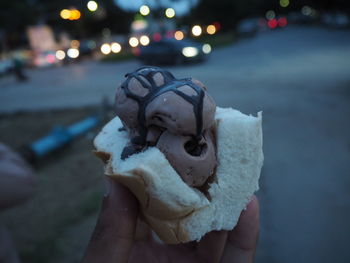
<point x="133" y="41"/>
<point x="179" y="35"/>
<point x="92" y="6"/>
<point x="116" y="47"/>
<point x="144" y="10"/>
<point x="74" y="14"/>
<point x="211" y="30"/>
<point x="65" y="14"/>
<point x="169" y="12"/>
<point x="206" y="48"/>
<point x="196" y="30"/>
<point x="60" y="54"/>
<point x="282" y="22"/>
<point x="106" y="48"/>
<point x="73" y="53"/>
<point x="75" y="43"/>
<point x="284" y="3"/>
<point x="144" y="40"/>
<point x="306" y="10"/>
<point x="270" y="15"/>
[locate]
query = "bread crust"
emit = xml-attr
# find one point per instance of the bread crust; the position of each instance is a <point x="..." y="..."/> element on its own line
<point x="173" y="220"/>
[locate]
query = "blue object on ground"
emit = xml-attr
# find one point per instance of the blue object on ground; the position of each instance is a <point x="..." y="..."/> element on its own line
<point x="61" y="136"/>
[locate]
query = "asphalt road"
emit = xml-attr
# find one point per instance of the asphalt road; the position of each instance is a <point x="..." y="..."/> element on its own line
<point x="300" y="78"/>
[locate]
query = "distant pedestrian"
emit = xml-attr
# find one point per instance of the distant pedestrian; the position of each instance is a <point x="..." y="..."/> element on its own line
<point x="18" y="69"/>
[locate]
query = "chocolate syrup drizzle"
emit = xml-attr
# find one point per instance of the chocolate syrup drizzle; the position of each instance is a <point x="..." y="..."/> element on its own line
<point x="170" y="84"/>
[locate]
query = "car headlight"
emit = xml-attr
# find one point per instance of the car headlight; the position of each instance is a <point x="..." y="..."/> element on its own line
<point x="73" y="52"/>
<point x="206" y="48"/>
<point x="190" y="52"/>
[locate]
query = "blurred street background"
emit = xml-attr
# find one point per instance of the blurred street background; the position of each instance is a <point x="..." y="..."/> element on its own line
<point x="61" y="61"/>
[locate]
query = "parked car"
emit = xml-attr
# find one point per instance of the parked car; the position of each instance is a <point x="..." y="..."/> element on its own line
<point x="87" y="47"/>
<point x="172" y="51"/>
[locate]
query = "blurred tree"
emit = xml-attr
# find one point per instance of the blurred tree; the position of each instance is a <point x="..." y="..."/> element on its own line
<point x="16" y="15"/>
<point x="90" y="24"/>
<point x="226" y="12"/>
<point x="229" y="12"/>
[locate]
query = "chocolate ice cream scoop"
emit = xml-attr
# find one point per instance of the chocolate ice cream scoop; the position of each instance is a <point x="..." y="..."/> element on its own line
<point x="174" y="115"/>
<point x="194" y="163"/>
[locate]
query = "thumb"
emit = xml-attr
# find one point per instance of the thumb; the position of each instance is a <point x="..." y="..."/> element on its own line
<point x="113" y="236"/>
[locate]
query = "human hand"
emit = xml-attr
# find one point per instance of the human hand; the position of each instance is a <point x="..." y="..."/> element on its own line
<point x="17" y="180"/>
<point x="113" y="239"/>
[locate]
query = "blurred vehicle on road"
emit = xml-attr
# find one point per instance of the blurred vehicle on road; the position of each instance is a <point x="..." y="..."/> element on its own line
<point x="172" y="51"/>
<point x="87" y="47"/>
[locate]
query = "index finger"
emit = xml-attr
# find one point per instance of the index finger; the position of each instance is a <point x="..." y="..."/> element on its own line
<point x="242" y="240"/>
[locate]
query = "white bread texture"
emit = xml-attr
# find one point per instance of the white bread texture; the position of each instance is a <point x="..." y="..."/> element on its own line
<point x="177" y="212"/>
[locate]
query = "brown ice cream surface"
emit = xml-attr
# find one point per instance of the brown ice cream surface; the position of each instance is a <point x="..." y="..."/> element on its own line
<point x="174" y="115"/>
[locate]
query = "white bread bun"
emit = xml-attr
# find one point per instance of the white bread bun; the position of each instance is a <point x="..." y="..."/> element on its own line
<point x="177" y="212"/>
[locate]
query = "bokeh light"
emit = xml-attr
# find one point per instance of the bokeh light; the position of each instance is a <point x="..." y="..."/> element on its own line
<point x="106" y="49"/>
<point x="65" y="14"/>
<point x="169" y="12"/>
<point x="144" y="40"/>
<point x="206" y="48"/>
<point x="92" y="6"/>
<point x="217" y="26"/>
<point x="60" y="54"/>
<point x="272" y="23"/>
<point x="75" y="43"/>
<point x="284" y="3"/>
<point x="211" y="30"/>
<point x="139" y="25"/>
<point x="144" y="10"/>
<point x="189" y="52"/>
<point x="73" y="53"/>
<point x="133" y="42"/>
<point x="74" y="14"/>
<point x="116" y="47"/>
<point x="270" y="15"/>
<point x="50" y="58"/>
<point x="196" y="30"/>
<point x="306" y="10"/>
<point x="282" y="22"/>
<point x="157" y="36"/>
<point x="179" y="35"/>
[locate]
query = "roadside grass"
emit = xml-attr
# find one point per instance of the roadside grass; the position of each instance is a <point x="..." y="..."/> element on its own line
<point x="69" y="191"/>
<point x="50" y="246"/>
